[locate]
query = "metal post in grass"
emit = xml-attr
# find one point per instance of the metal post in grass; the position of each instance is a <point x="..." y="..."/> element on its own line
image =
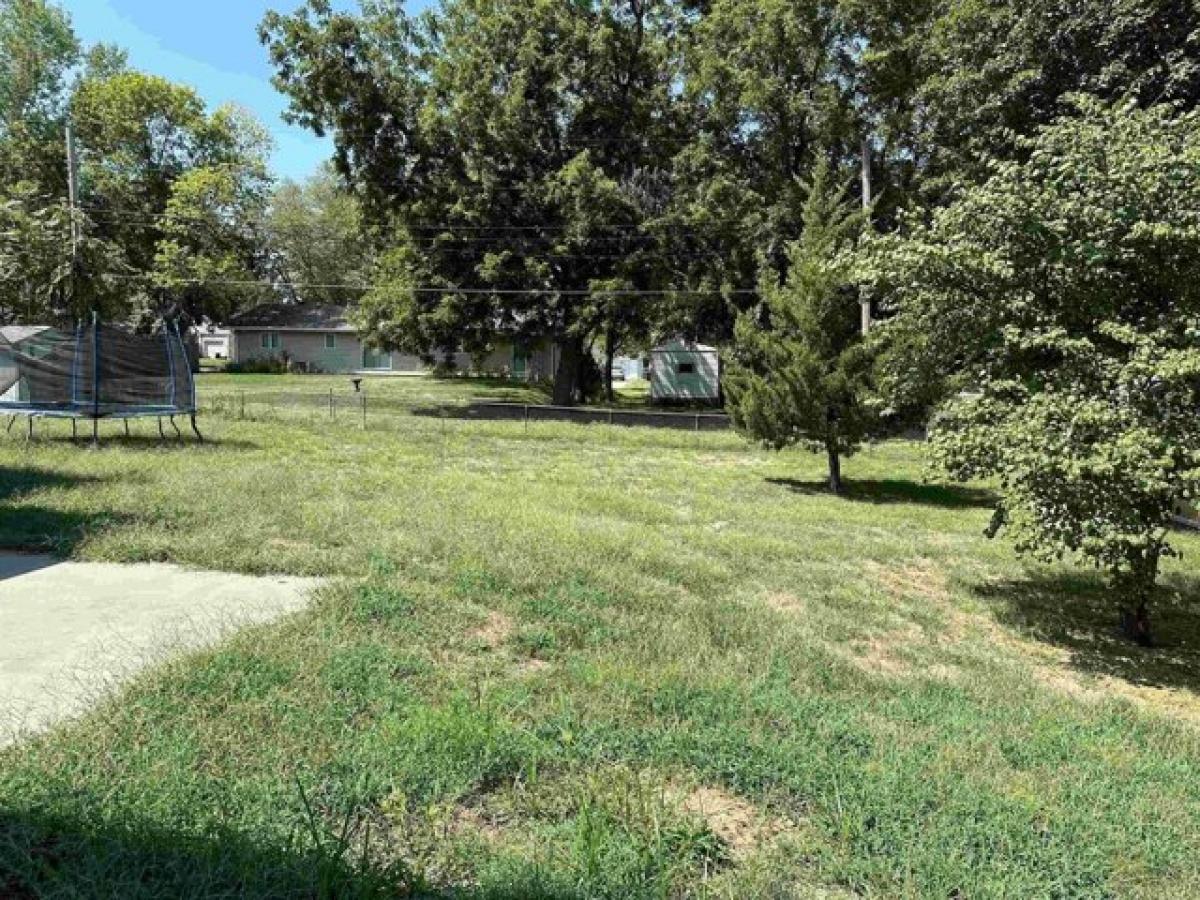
<point x="527" y="417"/>
<point x="331" y="403"/>
<point x="242" y="414"/>
<point x="95" y="379"/>
<point x="364" y="411"/>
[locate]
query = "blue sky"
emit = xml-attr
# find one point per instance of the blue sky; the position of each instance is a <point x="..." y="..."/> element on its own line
<point x="211" y="45"/>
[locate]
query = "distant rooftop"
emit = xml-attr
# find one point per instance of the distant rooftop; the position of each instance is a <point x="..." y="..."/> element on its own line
<point x="682" y="345"/>
<point x="14" y="334"/>
<point x="293" y="316"/>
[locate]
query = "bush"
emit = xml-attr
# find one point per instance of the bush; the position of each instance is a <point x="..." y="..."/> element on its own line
<point x="267" y="366"/>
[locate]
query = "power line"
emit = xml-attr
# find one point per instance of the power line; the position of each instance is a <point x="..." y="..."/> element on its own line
<point x="430" y="289"/>
<point x="436" y="241"/>
<point x="152" y="218"/>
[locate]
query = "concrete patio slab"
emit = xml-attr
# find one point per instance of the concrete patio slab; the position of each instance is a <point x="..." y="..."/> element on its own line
<point x="70" y="632"/>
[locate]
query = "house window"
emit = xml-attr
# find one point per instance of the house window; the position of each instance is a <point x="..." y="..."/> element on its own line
<point x="331" y="342"/>
<point x="270" y="341"/>
<point x="686" y="369"/>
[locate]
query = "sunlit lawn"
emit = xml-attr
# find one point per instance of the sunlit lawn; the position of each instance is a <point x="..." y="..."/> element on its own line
<point x="566" y="661"/>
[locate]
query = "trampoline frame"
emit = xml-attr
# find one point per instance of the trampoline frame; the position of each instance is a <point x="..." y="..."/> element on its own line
<point x="94" y="410"/>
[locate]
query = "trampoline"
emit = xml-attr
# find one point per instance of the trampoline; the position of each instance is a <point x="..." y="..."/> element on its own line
<point x="96" y="371"/>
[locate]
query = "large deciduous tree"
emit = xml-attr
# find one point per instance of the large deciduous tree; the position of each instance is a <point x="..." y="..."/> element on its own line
<point x="1064" y="295"/>
<point x="505" y="148"/>
<point x="181" y="191"/>
<point x="800" y="370"/>
<point x="37" y="51"/>
<point x="986" y="73"/>
<point x="766" y="91"/>
<point x="316" y="234"/>
<point x="169" y="192"/>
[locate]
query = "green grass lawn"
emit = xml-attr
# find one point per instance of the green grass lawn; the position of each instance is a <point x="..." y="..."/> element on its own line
<point x="392" y="391"/>
<point x="411" y="390"/>
<point x="564" y="661"/>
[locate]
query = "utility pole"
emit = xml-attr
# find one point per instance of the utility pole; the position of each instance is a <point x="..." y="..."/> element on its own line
<point x="73" y="212"/>
<point x="73" y="191"/>
<point x="73" y="200"/>
<point x="866" y="202"/>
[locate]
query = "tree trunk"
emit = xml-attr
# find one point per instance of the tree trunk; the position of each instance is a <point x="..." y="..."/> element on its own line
<point x="610" y="352"/>
<point x="1138" y="585"/>
<point x="1136" y="625"/>
<point x="835" y="464"/>
<point x="566" y="377"/>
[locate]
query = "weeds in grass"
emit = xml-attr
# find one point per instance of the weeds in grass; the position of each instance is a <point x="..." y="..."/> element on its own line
<point x="583" y="662"/>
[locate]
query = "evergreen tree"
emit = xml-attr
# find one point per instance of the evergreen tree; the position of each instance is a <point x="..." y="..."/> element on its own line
<point x="801" y="367"/>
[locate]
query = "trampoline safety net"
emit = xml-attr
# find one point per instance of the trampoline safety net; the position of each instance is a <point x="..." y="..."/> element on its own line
<point x="95" y="371"/>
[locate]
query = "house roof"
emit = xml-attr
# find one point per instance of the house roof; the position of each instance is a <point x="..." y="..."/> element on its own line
<point x="293" y="317"/>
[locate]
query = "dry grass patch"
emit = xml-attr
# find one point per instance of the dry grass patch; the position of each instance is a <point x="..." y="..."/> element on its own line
<point x="881" y="654"/>
<point x="1050" y="666"/>
<point x="494" y="632"/>
<point x="787" y="603"/>
<point x="742" y="827"/>
<point x="470" y="820"/>
<point x="532" y="666"/>
<point x="919" y="579"/>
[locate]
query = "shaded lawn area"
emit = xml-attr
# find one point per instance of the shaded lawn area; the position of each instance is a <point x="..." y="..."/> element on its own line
<point x="409" y="390"/>
<point x="403" y="391"/>
<point x="594" y="662"/>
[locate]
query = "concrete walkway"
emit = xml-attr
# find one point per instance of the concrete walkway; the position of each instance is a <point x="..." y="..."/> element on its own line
<point x="71" y="632"/>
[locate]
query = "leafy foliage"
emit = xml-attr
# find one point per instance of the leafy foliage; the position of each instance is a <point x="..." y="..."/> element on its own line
<point x="37" y="51"/>
<point x="509" y="145"/>
<point x="180" y="191"/>
<point x="315" y="229"/>
<point x="171" y="195"/>
<point x="987" y="74"/>
<point x="1065" y="292"/>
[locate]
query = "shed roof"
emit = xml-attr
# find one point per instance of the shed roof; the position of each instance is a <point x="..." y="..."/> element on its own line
<point x="294" y="317"/>
<point x="679" y="345"/>
<point x="14" y="334"/>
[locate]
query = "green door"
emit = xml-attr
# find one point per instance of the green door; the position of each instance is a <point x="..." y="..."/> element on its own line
<point x="376" y="359"/>
<point x="520" y="361"/>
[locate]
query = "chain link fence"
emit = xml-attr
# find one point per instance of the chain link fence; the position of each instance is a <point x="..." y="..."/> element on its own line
<point x="362" y="409"/>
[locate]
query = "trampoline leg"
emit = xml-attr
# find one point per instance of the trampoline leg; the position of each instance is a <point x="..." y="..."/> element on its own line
<point x="74" y="430"/>
<point x="178" y="433"/>
<point x="95" y="432"/>
<point x="199" y="436"/>
<point x="29" y="433"/>
<point x="12" y="420"/>
<point x="161" y="436"/>
<point x="126" y="427"/>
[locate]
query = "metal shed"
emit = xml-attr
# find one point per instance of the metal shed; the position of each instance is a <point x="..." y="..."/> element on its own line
<point x="684" y="371"/>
